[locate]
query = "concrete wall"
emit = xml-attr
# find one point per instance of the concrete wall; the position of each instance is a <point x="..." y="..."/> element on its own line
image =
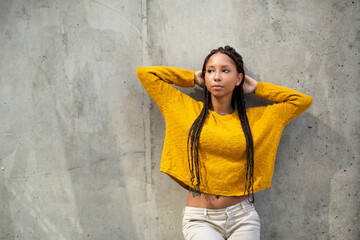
<point x="80" y="141"/>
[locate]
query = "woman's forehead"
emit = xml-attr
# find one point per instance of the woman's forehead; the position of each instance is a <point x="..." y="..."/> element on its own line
<point x="220" y="59"/>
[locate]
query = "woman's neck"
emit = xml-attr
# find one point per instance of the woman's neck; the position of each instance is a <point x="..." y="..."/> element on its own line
<point x="222" y="106"/>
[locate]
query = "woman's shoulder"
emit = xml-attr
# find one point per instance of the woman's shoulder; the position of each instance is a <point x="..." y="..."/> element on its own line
<point x="184" y="103"/>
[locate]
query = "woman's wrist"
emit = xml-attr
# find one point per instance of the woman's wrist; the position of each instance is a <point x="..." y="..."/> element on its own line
<point x="195" y="81"/>
<point x="254" y="85"/>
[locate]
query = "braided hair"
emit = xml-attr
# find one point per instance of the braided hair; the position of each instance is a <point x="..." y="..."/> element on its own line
<point x="238" y="102"/>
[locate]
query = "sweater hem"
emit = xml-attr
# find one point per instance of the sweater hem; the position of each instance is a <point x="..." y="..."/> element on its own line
<point x="214" y="192"/>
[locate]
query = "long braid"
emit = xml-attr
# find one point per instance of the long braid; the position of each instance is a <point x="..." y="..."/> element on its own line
<point x="240" y="105"/>
<point x="237" y="101"/>
<point x="194" y="141"/>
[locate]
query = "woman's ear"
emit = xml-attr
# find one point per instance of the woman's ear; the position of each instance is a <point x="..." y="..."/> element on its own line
<point x="240" y="77"/>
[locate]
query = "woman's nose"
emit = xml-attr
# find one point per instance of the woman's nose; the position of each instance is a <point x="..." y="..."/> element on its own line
<point x="217" y="76"/>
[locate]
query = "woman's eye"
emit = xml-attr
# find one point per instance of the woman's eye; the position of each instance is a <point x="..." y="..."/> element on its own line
<point x="226" y="70"/>
<point x="209" y="71"/>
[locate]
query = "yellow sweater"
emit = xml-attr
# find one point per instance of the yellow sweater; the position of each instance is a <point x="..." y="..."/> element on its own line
<point x="222" y="151"/>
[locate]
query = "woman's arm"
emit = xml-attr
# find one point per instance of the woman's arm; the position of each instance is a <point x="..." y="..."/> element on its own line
<point x="288" y="103"/>
<point x="157" y="82"/>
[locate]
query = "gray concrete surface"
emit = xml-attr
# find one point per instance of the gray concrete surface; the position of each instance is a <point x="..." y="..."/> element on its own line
<point x="80" y="141"/>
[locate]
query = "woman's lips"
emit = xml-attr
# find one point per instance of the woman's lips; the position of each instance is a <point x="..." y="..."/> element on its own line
<point x="217" y="87"/>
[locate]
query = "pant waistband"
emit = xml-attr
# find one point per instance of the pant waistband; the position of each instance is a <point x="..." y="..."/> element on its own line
<point x="244" y="205"/>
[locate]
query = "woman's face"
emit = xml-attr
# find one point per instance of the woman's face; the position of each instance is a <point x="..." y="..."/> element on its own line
<point x="221" y="75"/>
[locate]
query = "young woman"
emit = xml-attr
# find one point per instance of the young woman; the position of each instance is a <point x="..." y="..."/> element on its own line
<point x="217" y="149"/>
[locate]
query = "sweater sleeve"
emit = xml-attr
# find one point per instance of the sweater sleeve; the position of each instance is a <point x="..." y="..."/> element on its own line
<point x="288" y="103"/>
<point x="157" y="82"/>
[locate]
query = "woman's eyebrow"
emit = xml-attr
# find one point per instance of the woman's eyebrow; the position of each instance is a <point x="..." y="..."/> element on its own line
<point x="220" y="66"/>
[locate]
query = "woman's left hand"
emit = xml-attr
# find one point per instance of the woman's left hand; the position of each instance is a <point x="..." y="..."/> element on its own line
<point x="250" y="85"/>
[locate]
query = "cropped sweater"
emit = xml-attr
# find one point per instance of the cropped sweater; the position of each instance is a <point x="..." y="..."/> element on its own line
<point x="222" y="150"/>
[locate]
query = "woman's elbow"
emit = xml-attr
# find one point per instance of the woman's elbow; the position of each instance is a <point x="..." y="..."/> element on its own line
<point x="307" y="101"/>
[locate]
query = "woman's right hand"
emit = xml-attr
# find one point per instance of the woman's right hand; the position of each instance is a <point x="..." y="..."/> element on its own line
<point x="199" y="80"/>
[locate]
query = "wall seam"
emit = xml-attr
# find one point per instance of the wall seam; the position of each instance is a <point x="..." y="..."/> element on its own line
<point x="147" y="125"/>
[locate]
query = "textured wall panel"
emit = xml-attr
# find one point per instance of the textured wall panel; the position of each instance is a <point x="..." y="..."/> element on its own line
<point x="80" y="141"/>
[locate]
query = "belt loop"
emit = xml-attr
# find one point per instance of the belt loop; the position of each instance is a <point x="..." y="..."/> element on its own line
<point x="227" y="211"/>
<point x="205" y="212"/>
<point x="243" y="206"/>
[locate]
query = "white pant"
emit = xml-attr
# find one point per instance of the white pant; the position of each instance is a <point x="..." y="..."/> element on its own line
<point x="239" y="221"/>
